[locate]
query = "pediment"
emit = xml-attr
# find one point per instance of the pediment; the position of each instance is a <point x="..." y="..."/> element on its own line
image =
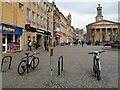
<point x="103" y="22"/>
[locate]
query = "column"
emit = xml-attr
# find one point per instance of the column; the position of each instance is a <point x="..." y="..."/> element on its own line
<point x="95" y="35"/>
<point x="111" y="34"/>
<point x="100" y="35"/>
<point x="116" y="34"/>
<point x="106" y="35"/>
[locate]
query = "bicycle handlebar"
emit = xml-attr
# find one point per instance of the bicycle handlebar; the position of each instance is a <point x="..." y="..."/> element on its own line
<point x="95" y="52"/>
<point x="27" y="54"/>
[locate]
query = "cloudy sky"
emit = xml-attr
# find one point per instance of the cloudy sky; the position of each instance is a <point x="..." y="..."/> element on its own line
<point x="84" y="12"/>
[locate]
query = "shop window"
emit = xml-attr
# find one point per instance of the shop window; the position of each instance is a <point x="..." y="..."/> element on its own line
<point x="13" y="42"/>
<point x="3" y="38"/>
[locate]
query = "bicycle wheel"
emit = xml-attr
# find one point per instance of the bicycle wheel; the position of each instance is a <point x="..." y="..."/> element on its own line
<point x="98" y="73"/>
<point x="34" y="63"/>
<point x="22" y="67"/>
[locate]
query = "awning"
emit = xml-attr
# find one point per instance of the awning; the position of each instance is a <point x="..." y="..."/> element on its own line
<point x="47" y="33"/>
<point x="29" y="28"/>
<point x="10" y="29"/>
<point x="40" y="31"/>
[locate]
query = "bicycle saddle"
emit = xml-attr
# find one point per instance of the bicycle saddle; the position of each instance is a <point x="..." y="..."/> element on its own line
<point x="26" y="54"/>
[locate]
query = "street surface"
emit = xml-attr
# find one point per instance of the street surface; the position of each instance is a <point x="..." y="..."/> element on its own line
<point x="77" y="69"/>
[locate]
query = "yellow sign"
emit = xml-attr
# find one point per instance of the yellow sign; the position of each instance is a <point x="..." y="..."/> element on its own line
<point x="0" y="27"/>
<point x="8" y="29"/>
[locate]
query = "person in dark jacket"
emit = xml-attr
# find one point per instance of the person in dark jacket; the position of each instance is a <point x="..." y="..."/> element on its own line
<point x="45" y="45"/>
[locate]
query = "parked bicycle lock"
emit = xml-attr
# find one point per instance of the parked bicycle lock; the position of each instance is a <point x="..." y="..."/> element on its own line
<point x="10" y="58"/>
<point x="60" y="58"/>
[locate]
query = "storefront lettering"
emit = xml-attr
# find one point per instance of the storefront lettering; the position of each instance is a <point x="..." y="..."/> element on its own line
<point x="8" y="29"/>
<point x="0" y="27"/>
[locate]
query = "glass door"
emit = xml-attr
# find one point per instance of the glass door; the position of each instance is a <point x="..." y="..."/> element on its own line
<point x="4" y="42"/>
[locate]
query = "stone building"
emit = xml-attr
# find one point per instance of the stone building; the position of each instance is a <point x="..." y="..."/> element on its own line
<point x="63" y="28"/>
<point x="38" y="24"/>
<point x="12" y="21"/>
<point x="80" y="34"/>
<point x="102" y="30"/>
<point x="56" y="24"/>
<point x="36" y="21"/>
<point x="63" y="31"/>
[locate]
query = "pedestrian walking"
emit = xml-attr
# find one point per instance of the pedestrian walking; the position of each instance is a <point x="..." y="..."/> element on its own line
<point x="54" y="43"/>
<point x="34" y="44"/>
<point x="30" y="45"/>
<point x="45" y="45"/>
<point x="82" y="43"/>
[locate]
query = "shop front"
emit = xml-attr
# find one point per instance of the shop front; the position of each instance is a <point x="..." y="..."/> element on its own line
<point x="11" y="37"/>
<point x="48" y="38"/>
<point x="39" y="35"/>
<point x="58" y="36"/>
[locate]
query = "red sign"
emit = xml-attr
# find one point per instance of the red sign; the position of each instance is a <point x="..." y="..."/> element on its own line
<point x="58" y="36"/>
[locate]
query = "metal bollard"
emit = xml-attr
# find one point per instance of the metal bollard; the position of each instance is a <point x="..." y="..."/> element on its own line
<point x="62" y="63"/>
<point x="59" y="67"/>
<point x="9" y="62"/>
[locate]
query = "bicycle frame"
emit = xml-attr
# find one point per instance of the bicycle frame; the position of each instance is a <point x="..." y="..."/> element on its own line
<point x="96" y="60"/>
<point x="29" y="61"/>
<point x="96" y="63"/>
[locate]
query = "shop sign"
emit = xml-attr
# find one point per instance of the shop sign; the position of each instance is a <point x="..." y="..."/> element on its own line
<point x="10" y="29"/>
<point x="58" y="36"/>
<point x="0" y="27"/>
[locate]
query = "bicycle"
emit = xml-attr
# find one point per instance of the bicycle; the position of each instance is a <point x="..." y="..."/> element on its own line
<point x="96" y="63"/>
<point x="28" y="62"/>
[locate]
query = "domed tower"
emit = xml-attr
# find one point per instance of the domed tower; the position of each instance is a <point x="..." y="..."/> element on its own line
<point x="99" y="13"/>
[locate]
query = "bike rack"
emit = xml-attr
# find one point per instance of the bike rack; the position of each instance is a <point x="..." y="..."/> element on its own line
<point x="60" y="58"/>
<point x="10" y="58"/>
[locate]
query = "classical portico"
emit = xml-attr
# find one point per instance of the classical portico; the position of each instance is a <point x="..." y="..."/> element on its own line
<point x="102" y="30"/>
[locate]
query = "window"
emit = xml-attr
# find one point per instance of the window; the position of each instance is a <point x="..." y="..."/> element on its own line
<point x="40" y="3"/>
<point x="28" y="13"/>
<point x="41" y="20"/>
<point x="21" y="6"/>
<point x="33" y="15"/>
<point x="8" y="1"/>
<point x="44" y="22"/>
<point x="37" y="18"/>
